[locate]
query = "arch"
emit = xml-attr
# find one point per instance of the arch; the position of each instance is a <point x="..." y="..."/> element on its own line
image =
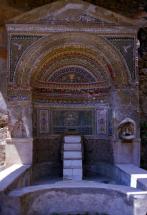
<point x="89" y="51"/>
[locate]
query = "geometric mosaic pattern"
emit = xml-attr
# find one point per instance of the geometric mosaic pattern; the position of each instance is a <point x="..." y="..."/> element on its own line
<point x="18" y="44"/>
<point x="126" y="48"/>
<point x="72" y="75"/>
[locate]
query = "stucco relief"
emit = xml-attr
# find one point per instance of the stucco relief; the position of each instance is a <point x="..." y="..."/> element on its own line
<point x="18" y="130"/>
<point x="20" y="120"/>
<point x="127" y="129"/>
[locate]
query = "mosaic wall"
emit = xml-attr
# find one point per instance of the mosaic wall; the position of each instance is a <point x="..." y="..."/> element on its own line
<point x="86" y="121"/>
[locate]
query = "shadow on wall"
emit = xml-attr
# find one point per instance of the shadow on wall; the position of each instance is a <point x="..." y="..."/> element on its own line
<point x="144" y="145"/>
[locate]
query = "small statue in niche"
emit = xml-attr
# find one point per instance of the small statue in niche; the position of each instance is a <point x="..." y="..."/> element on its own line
<point x="127" y="129"/>
<point x="18" y="130"/>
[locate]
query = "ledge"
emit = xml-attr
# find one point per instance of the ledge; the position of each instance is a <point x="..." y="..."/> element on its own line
<point x="10" y="174"/>
<point x="19" y="140"/>
<point x="132" y="174"/>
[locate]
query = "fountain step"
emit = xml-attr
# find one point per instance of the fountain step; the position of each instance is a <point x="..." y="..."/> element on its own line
<point x="72" y="174"/>
<point x="72" y="155"/>
<point x="72" y="164"/>
<point x="72" y="139"/>
<point x="72" y="147"/>
<point x="72" y="158"/>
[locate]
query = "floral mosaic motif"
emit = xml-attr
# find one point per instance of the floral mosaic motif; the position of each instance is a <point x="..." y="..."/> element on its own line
<point x="126" y="48"/>
<point x="18" y="44"/>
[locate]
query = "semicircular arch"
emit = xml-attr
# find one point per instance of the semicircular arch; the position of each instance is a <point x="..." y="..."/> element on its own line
<point x="82" y="47"/>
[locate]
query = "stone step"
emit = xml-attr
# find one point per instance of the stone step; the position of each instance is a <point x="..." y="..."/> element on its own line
<point x="72" y="164"/>
<point x="72" y="147"/>
<point x="79" y="143"/>
<point x="72" y="158"/>
<point x="72" y="155"/>
<point x="72" y="174"/>
<point x="72" y="139"/>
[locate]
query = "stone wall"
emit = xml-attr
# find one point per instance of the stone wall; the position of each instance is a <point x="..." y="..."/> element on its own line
<point x="47" y="156"/>
<point x="2" y="155"/>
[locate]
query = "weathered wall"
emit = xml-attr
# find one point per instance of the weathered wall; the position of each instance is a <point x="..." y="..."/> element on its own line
<point x="2" y="155"/>
<point x="47" y="156"/>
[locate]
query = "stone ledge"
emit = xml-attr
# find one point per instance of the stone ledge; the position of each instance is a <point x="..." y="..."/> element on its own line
<point x="142" y="183"/>
<point x="130" y="174"/>
<point x="68" y="196"/>
<point x="72" y="139"/>
<point x="9" y="175"/>
<point x="19" y="140"/>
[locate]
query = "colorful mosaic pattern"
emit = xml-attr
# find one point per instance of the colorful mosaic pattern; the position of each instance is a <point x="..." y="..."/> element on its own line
<point x="96" y="56"/>
<point x="79" y="121"/>
<point x="72" y="75"/>
<point x="126" y="47"/>
<point x="18" y="44"/>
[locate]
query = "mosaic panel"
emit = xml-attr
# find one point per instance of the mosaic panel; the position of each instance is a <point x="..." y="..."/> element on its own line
<point x="72" y="120"/>
<point x="101" y="121"/>
<point x="110" y="122"/>
<point x="126" y="48"/>
<point x="44" y="121"/>
<point x="18" y="44"/>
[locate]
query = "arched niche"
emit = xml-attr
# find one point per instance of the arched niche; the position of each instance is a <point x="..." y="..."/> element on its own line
<point x="86" y="49"/>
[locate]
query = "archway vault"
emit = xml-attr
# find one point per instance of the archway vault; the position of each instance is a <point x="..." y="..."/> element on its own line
<point x="83" y="52"/>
